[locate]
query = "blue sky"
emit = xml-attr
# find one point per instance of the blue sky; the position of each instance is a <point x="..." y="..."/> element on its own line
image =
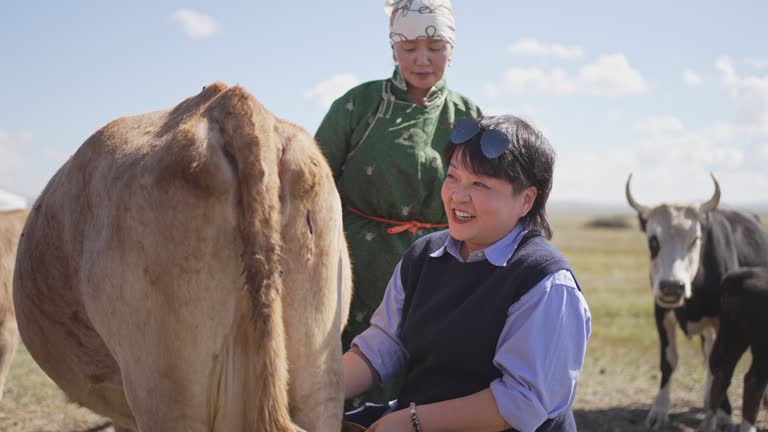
<point x="668" y="90"/>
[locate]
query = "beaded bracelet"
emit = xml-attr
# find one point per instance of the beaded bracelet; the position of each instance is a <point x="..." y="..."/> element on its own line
<point x="414" y="418"/>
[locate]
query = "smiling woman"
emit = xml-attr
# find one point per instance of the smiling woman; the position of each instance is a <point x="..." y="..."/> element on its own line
<point x="485" y="319"/>
<point x="481" y="209"/>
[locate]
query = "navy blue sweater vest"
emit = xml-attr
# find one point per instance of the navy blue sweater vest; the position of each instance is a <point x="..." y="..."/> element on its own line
<point x="454" y="312"/>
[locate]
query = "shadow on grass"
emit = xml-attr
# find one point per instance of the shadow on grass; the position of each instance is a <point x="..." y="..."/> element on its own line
<point x="633" y="420"/>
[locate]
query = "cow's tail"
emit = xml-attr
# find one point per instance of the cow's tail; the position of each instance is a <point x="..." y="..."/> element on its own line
<point x="256" y="354"/>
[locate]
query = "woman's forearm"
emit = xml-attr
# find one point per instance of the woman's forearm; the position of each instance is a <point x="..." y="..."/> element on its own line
<point x="477" y="412"/>
<point x="358" y="376"/>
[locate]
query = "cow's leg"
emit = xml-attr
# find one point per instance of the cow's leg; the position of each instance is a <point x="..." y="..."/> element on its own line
<point x="316" y="394"/>
<point x="666" y="327"/>
<point x="708" y="337"/>
<point x="708" y="340"/>
<point x="726" y="351"/>
<point x="754" y="386"/>
<point x="9" y="340"/>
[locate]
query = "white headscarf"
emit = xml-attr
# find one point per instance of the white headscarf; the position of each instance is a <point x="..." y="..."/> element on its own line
<point x="421" y="19"/>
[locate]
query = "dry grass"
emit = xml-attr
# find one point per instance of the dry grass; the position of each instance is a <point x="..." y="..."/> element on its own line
<point x="33" y="403"/>
<point x="620" y="377"/>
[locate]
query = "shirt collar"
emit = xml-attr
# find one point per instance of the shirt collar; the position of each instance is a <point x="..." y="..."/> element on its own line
<point x="497" y="254"/>
<point x="400" y="89"/>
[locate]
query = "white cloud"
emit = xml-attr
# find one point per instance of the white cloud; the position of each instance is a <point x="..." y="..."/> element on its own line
<point x="693" y="148"/>
<point x="26" y="164"/>
<point x="691" y="78"/>
<point x="10" y="201"/>
<point x="758" y="63"/>
<point x="670" y="159"/>
<point x="9" y="149"/>
<point x="491" y="90"/>
<point x="552" y="82"/>
<point x="671" y="163"/>
<point x="610" y="75"/>
<point x="12" y="148"/>
<point x="528" y="112"/>
<point x="194" y="24"/>
<point x="613" y="75"/>
<point x="532" y="46"/>
<point x="325" y="92"/>
<point x="749" y="95"/>
<point x="658" y="125"/>
<point x="674" y="170"/>
<point x="763" y="152"/>
<point x="497" y="110"/>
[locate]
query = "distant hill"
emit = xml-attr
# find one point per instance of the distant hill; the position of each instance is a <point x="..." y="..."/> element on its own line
<point x="575" y="208"/>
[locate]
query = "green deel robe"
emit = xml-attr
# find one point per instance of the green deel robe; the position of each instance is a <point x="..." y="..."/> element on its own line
<point x="385" y="153"/>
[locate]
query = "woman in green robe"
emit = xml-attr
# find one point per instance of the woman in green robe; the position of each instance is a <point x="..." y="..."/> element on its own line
<point x="383" y="140"/>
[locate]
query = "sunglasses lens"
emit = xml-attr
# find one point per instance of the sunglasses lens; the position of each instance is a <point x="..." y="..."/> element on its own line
<point x="463" y="130"/>
<point x="493" y="143"/>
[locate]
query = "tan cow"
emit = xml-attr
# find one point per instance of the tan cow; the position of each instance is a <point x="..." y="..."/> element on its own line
<point x="183" y="264"/>
<point x="11" y="223"/>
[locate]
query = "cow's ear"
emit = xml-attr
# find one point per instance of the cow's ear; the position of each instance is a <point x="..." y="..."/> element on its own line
<point x="703" y="218"/>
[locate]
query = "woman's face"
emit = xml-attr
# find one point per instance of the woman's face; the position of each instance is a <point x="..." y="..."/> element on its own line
<point x="422" y="61"/>
<point x="481" y="210"/>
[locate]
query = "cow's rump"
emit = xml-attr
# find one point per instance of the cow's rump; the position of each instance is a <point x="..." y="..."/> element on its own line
<point x="183" y="264"/>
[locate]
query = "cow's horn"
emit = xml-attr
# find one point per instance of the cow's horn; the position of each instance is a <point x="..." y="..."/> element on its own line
<point x="714" y="201"/>
<point x="639" y="208"/>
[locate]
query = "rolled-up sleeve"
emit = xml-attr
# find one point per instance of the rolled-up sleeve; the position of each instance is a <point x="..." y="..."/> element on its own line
<point x="380" y="343"/>
<point x="541" y="352"/>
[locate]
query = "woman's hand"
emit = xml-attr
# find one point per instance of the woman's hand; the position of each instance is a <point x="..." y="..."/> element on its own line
<point x="398" y="421"/>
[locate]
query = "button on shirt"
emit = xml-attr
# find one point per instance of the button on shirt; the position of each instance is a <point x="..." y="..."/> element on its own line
<point x="540" y="351"/>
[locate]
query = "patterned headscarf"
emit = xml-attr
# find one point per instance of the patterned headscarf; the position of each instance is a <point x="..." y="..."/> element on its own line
<point x="421" y="19"/>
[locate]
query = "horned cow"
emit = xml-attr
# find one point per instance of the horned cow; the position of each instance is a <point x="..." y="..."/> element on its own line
<point x="692" y="247"/>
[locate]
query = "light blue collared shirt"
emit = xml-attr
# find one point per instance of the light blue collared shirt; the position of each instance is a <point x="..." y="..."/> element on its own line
<point x="540" y="351"/>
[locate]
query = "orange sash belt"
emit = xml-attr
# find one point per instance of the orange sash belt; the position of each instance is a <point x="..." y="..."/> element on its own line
<point x="400" y="226"/>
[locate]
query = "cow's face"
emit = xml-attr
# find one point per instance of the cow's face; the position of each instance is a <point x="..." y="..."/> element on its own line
<point x="674" y="237"/>
<point x="674" y="244"/>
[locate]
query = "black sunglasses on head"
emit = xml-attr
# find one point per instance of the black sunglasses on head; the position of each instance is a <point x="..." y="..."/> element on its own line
<point x="492" y="142"/>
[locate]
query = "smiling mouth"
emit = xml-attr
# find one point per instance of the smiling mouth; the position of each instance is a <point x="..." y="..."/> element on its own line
<point x="462" y="215"/>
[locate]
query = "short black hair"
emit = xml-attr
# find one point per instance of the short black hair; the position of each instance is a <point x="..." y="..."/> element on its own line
<point x="528" y="161"/>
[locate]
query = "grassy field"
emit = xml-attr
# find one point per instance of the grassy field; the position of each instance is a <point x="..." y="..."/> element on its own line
<point x="620" y="377"/>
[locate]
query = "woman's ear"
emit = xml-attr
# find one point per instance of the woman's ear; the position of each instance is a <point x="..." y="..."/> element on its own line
<point x="529" y="197"/>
